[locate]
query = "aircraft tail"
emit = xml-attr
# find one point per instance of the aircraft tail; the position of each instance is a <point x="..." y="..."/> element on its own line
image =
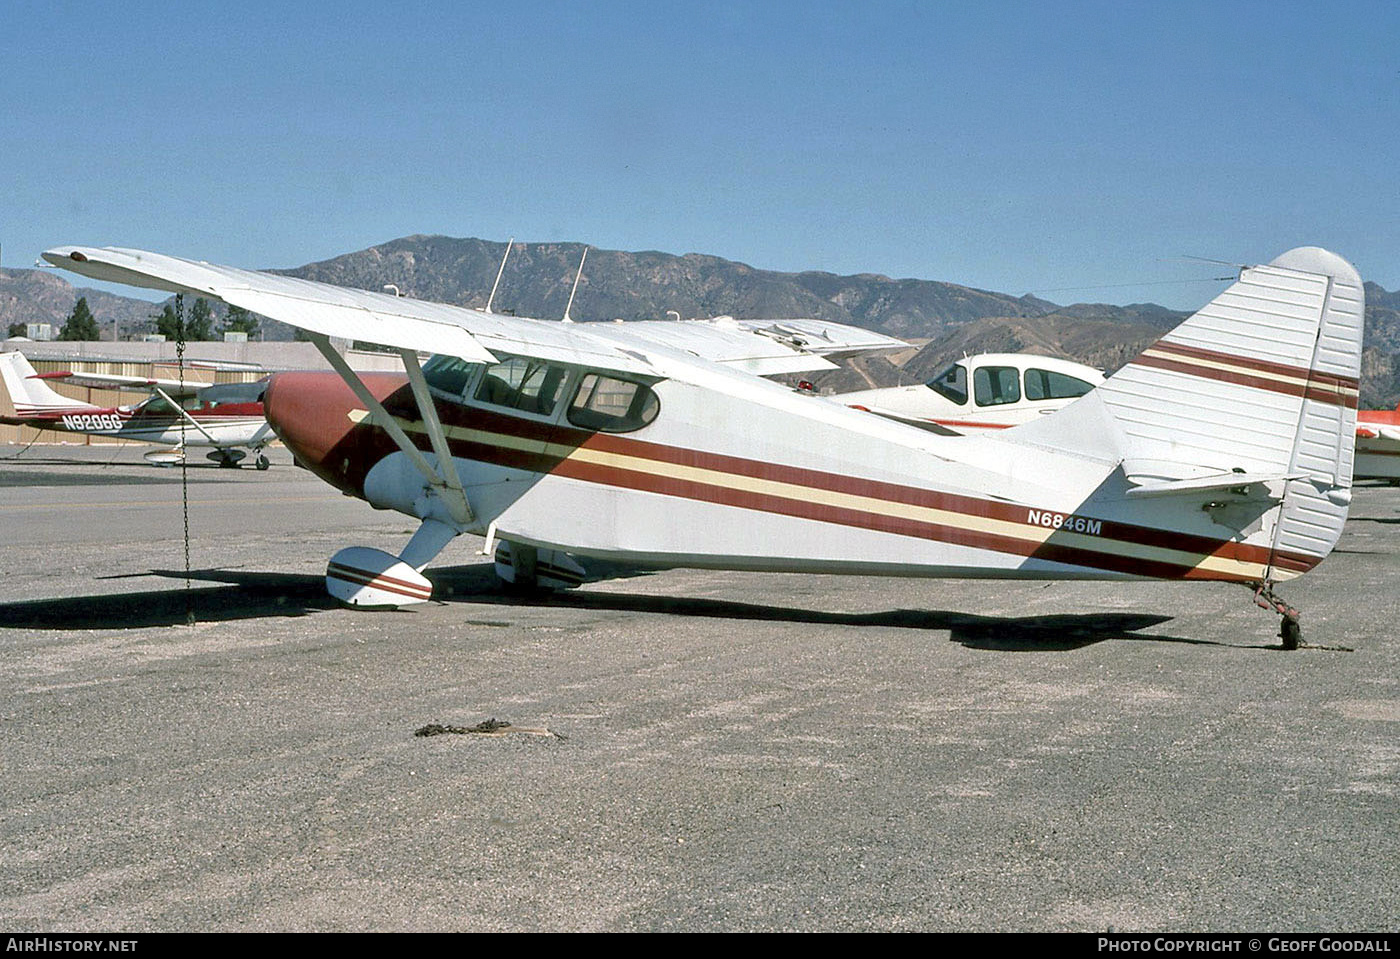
<point x="31" y="395"/>
<point x="1257" y="389"/>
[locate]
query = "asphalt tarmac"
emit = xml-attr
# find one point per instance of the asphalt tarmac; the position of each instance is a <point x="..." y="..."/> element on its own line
<point x="687" y="750"/>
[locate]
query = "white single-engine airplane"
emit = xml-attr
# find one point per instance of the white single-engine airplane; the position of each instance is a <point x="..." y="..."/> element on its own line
<point x="1222" y="452"/>
<point x="989" y="391"/>
<point x="227" y="418"/>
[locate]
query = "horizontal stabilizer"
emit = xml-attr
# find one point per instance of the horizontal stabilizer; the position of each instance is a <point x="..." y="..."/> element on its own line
<point x="1213" y="482"/>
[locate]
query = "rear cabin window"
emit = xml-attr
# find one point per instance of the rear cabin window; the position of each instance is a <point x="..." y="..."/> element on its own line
<point x="530" y="386"/>
<point x="1049" y="385"/>
<point x="951" y="384"/>
<point x="996" y="385"/>
<point x="612" y="406"/>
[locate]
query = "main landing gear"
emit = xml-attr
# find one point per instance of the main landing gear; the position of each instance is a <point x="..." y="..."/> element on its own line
<point x="233" y="459"/>
<point x="527" y="570"/>
<point x="226" y="458"/>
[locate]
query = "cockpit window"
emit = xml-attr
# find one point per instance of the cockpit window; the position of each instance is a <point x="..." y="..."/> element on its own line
<point x="531" y="386"/>
<point x="447" y="374"/>
<point x="996" y="385"/>
<point x="159" y="406"/>
<point x="611" y="405"/>
<point x="222" y="393"/>
<point x="951" y="384"/>
<point x="1049" y="385"/>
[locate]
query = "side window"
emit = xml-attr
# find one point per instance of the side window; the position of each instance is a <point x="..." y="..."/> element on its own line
<point x="157" y="406"/>
<point x="531" y="386"/>
<point x="1048" y="385"/>
<point x="951" y="384"/>
<point x="996" y="385"/>
<point x="447" y="374"/>
<point x="612" y="406"/>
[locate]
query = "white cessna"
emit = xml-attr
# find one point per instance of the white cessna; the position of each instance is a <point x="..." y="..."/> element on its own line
<point x="1222" y="452"/>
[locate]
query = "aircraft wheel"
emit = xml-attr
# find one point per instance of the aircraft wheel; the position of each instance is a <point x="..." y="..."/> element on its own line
<point x="523" y="579"/>
<point x="263" y="463"/>
<point x="527" y="590"/>
<point x="1291" y="633"/>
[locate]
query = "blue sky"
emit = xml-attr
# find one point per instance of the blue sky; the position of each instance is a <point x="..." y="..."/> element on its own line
<point x="1074" y="150"/>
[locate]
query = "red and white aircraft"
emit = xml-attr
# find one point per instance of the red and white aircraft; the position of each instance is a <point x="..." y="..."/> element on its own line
<point x="1378" y="444"/>
<point x="226" y="418"/>
<point x="989" y="391"/>
<point x="1223" y="452"/>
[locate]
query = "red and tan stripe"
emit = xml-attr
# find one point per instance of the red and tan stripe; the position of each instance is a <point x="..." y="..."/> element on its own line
<point x="1282" y="378"/>
<point x="378" y="581"/>
<point x="609" y="459"/>
<point x="972" y="425"/>
<point x="1145" y="554"/>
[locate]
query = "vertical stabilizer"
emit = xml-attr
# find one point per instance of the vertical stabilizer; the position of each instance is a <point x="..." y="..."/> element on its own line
<point x="1260" y="384"/>
<point x="1263" y="379"/>
<point x="30" y="395"/>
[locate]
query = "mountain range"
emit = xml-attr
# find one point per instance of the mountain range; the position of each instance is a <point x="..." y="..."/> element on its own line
<point x="943" y="319"/>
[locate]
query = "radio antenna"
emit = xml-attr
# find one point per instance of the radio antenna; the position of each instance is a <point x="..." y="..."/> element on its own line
<point x="491" y="299"/>
<point x="577" y="277"/>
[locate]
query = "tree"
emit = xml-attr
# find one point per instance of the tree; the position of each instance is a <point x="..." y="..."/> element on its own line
<point x="167" y="324"/>
<point x="240" y="320"/>
<point x="18" y="329"/>
<point x="199" y="325"/>
<point x="199" y="322"/>
<point x="80" y="324"/>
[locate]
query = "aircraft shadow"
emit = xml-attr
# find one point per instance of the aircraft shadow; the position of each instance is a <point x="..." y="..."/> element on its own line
<point x="1060" y="633"/>
<point x="246" y="594"/>
<point x="1063" y="632"/>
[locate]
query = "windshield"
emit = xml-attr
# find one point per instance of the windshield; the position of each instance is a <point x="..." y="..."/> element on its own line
<point x="951" y="384"/>
<point x="447" y="374"/>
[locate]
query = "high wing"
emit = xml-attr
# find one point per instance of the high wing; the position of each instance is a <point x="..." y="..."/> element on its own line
<point x="759" y="347"/>
<point x="133" y="384"/>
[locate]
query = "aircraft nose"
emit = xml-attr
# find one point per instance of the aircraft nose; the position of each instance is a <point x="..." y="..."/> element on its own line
<point x="309" y="412"/>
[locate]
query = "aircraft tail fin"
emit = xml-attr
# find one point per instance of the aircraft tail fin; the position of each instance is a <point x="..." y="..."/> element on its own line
<point x="1262" y="379"/>
<point x="1261" y="384"/>
<point x="30" y="394"/>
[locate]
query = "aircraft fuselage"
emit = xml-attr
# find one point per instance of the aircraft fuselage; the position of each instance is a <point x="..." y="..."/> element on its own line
<point x="714" y="481"/>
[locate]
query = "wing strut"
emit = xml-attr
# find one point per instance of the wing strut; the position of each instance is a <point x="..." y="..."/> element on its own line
<point x="457" y="496"/>
<point x="185" y="415"/>
<point x="447" y="482"/>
